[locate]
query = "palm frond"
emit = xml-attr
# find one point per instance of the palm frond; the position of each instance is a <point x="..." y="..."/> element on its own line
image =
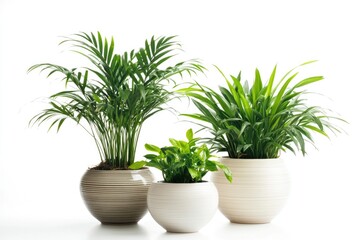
<point x="112" y="98"/>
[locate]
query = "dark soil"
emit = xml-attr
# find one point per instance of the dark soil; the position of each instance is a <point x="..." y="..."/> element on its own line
<point x="105" y="166"/>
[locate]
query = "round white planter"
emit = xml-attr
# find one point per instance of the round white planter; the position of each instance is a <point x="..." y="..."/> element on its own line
<point x="116" y="196"/>
<point x="182" y="207"/>
<point x="258" y="192"/>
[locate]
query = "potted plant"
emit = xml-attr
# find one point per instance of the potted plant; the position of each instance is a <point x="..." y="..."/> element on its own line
<point x="111" y="99"/>
<point x="183" y="202"/>
<point x="254" y="124"/>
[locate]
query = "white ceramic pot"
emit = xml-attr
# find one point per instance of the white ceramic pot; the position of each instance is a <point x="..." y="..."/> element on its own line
<point x="182" y="207"/>
<point x="116" y="196"/>
<point x="258" y="192"/>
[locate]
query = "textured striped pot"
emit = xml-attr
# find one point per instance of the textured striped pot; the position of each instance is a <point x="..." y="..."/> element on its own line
<point x="258" y="192"/>
<point x="116" y="196"/>
<point x="182" y="207"/>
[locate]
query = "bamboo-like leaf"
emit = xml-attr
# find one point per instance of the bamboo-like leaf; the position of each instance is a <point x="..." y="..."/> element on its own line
<point x="60" y="123"/>
<point x="281" y="93"/>
<point x="111" y="51"/>
<point x="271" y="82"/>
<point x="316" y="130"/>
<point x="100" y="43"/>
<point x="308" y="81"/>
<point x="201" y="98"/>
<point x="255" y="90"/>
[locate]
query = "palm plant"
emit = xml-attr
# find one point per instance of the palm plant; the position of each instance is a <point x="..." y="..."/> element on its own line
<point x="261" y="120"/>
<point x="112" y="99"/>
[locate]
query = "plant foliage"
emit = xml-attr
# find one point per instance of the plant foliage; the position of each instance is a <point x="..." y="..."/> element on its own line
<point x="112" y="99"/>
<point x="259" y="121"/>
<point x="183" y="161"/>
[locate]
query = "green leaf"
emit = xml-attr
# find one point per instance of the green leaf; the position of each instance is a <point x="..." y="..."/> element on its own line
<point x="255" y="91"/>
<point x="96" y="98"/>
<point x="155" y="165"/>
<point x="225" y="169"/>
<point x="189" y="134"/>
<point x="151" y="156"/>
<point x="211" y="166"/>
<point x="100" y="42"/>
<point x="138" y="165"/>
<point x="111" y="51"/>
<point x="271" y="82"/>
<point x="316" y="130"/>
<point x="174" y="142"/>
<point x="308" y="81"/>
<point x="60" y="123"/>
<point x="142" y="92"/>
<point x="281" y="93"/>
<point x="194" y="174"/>
<point x="152" y="148"/>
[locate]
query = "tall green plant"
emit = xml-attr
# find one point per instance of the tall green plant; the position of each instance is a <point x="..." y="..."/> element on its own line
<point x="261" y="120"/>
<point x="112" y="99"/>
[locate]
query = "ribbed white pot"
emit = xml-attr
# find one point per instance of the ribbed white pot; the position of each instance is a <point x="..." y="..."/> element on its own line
<point x="258" y="192"/>
<point x="182" y="207"/>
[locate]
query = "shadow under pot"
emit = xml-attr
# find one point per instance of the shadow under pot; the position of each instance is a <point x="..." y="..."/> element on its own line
<point x="116" y="196"/>
<point x="258" y="192"/>
<point x="182" y="207"/>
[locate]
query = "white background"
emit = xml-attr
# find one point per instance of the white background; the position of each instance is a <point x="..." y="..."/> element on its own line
<point x="40" y="171"/>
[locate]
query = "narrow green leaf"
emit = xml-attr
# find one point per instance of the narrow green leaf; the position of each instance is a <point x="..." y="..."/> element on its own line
<point x="93" y="40"/>
<point x="100" y="43"/>
<point x="60" y="123"/>
<point x="52" y="124"/>
<point x="271" y="82"/>
<point x="316" y="130"/>
<point x="308" y="81"/>
<point x="111" y="50"/>
<point x="281" y="93"/>
<point x="152" y="43"/>
<point x="147" y="48"/>
<point x="257" y="86"/>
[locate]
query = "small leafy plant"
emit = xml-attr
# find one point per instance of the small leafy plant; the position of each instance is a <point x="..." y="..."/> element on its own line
<point x="113" y="97"/>
<point x="261" y="120"/>
<point x="183" y="161"/>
